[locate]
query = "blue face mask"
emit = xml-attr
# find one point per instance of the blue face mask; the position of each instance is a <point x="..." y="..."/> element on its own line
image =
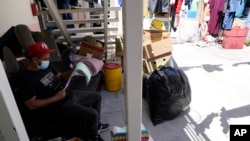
<point x="44" y="65"/>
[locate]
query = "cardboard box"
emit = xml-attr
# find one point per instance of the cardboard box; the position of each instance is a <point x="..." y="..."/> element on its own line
<point x="149" y="65"/>
<point x="157" y="49"/>
<point x="151" y="36"/>
<point x="235" y="38"/>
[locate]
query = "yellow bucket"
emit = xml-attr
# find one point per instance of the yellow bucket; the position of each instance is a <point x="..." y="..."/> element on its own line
<point x="112" y="76"/>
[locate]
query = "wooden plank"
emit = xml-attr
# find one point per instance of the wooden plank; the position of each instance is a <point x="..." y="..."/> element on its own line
<point x="80" y="37"/>
<point x="80" y="21"/>
<point x="88" y="29"/>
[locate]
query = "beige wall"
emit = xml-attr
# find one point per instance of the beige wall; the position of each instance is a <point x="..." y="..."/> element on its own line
<point x="15" y="12"/>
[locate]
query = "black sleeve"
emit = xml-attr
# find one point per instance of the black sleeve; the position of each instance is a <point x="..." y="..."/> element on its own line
<point x="26" y="88"/>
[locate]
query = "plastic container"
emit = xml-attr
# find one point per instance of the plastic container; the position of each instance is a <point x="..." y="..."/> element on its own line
<point x="234" y="38"/>
<point x="189" y="29"/>
<point x="112" y="76"/>
<point x="191" y="14"/>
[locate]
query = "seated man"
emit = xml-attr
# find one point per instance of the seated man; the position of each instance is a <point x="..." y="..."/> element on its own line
<point x="43" y="96"/>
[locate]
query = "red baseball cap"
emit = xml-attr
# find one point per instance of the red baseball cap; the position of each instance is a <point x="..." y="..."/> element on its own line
<point x="38" y="49"/>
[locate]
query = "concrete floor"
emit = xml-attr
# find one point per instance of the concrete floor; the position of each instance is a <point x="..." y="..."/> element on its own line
<point x="219" y="80"/>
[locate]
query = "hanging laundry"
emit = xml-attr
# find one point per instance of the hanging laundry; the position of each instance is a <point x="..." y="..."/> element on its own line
<point x="247" y="23"/>
<point x="233" y="6"/>
<point x="240" y="7"/>
<point x="216" y="10"/>
<point x="158" y="6"/>
<point x="194" y="5"/>
<point x="151" y="6"/>
<point x="174" y="13"/>
<point x="177" y="6"/>
<point x="188" y="3"/>
<point x="120" y="3"/>
<point x="165" y="6"/>
<point x="172" y="2"/>
<point x="228" y="20"/>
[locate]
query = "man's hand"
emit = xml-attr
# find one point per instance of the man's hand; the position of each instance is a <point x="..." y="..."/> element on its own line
<point x="60" y="95"/>
<point x="34" y="103"/>
<point x="58" y="76"/>
<point x="64" y="76"/>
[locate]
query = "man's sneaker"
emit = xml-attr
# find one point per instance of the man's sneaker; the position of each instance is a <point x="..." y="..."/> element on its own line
<point x="75" y="6"/>
<point x="99" y="138"/>
<point x="103" y="127"/>
<point x="44" y="8"/>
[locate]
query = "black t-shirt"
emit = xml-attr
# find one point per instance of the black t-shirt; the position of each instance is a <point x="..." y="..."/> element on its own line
<point x="41" y="84"/>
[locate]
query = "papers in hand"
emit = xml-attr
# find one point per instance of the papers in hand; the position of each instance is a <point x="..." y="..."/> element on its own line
<point x="81" y="70"/>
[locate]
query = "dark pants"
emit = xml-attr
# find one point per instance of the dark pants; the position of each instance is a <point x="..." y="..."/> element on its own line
<point x="73" y="2"/>
<point x="64" y="4"/>
<point x="84" y="109"/>
<point x="78" y="116"/>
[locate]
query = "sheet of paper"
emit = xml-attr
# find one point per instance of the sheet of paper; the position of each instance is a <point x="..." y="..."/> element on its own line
<point x="82" y="70"/>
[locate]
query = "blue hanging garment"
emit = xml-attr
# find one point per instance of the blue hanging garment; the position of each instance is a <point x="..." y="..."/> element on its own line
<point x="228" y="20"/>
<point x="158" y="6"/>
<point x="120" y="3"/>
<point x="152" y="5"/>
<point x="234" y="5"/>
<point x="188" y="3"/>
<point x="240" y="7"/>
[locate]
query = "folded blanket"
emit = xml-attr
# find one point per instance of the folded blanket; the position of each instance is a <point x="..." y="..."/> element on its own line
<point x="94" y="65"/>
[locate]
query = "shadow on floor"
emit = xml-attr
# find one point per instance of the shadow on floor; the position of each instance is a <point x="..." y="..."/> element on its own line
<point x="212" y="68"/>
<point x="186" y="128"/>
<point x="206" y="67"/>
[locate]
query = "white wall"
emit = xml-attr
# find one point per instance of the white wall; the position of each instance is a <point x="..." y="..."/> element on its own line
<point x="15" y="12"/>
<point x="11" y="125"/>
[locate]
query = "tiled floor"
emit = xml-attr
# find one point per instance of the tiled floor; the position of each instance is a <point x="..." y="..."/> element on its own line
<point x="219" y="80"/>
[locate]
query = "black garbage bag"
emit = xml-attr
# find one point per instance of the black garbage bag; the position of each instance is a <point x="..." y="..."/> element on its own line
<point x="171" y="63"/>
<point x="145" y="78"/>
<point x="169" y="94"/>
